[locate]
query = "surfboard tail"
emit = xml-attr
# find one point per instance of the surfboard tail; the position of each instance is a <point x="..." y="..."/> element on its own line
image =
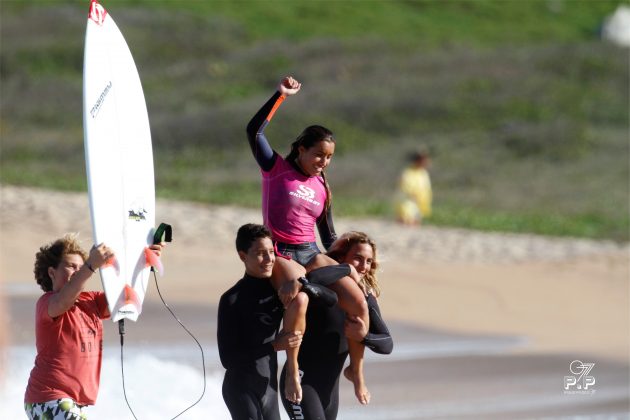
<point x="131" y="306"/>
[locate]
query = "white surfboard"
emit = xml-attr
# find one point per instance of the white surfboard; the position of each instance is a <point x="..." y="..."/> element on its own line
<point x="119" y="162"/>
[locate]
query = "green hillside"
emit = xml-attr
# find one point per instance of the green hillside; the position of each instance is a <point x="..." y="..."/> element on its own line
<point x="523" y="107"/>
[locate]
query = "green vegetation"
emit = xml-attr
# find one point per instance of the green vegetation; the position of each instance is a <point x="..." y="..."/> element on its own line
<point x="523" y="108"/>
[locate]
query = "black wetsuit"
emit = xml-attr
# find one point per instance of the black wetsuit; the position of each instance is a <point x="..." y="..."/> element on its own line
<point x="248" y="321"/>
<point x="322" y="355"/>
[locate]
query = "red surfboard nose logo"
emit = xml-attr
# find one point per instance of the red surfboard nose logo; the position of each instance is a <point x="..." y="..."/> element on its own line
<point x="97" y="13"/>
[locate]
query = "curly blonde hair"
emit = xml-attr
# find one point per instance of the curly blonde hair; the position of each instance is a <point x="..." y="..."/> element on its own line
<point x="340" y="248"/>
<point x="50" y="255"/>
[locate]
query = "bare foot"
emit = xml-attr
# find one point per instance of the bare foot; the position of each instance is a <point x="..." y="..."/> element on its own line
<point x="360" y="389"/>
<point x="292" y="387"/>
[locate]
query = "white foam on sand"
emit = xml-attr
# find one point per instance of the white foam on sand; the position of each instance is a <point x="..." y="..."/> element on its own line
<point x="156" y="388"/>
<point x="162" y="381"/>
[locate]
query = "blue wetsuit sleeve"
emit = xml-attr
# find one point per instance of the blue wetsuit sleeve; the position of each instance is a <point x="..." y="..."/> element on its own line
<point x="263" y="153"/>
<point x="378" y="339"/>
<point x="326" y="228"/>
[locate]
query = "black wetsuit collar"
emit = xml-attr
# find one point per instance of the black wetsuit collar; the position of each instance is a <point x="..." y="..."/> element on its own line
<point x="250" y="277"/>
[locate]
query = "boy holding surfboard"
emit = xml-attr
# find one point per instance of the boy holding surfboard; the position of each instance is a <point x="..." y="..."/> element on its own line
<point x="68" y="330"/>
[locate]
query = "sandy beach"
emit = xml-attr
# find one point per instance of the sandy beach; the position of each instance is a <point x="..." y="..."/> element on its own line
<point x="485" y="324"/>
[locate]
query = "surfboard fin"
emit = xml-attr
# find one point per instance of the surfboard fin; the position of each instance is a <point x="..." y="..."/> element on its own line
<point x="130" y="307"/>
<point x="131" y="298"/>
<point x="152" y="260"/>
<point x="112" y="262"/>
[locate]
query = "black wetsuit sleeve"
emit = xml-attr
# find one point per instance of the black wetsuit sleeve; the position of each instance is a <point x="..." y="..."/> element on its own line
<point x="229" y="326"/>
<point x="326" y="228"/>
<point x="326" y="276"/>
<point x="378" y="339"/>
<point x="263" y="153"/>
<point x="226" y="339"/>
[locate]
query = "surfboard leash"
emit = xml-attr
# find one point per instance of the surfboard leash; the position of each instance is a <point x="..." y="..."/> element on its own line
<point x="121" y="331"/>
<point x="164" y="233"/>
<point x="203" y="361"/>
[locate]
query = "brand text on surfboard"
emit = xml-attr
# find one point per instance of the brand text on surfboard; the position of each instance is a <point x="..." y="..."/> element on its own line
<point x="101" y="99"/>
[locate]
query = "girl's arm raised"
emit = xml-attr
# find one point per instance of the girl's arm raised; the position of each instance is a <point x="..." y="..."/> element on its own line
<point x="263" y="153"/>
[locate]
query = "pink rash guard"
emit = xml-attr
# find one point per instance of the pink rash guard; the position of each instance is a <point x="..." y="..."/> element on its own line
<point x="291" y="202"/>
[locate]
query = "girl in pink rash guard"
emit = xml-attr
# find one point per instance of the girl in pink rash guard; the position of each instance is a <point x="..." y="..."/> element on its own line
<point x="296" y="199"/>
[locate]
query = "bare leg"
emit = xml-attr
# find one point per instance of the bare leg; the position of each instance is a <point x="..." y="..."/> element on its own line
<point x="294" y="319"/>
<point x="320" y="260"/>
<point x="352" y="301"/>
<point x="354" y="372"/>
<point x="285" y="270"/>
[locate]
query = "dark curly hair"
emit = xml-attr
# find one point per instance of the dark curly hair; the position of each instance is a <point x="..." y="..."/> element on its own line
<point x="50" y="255"/>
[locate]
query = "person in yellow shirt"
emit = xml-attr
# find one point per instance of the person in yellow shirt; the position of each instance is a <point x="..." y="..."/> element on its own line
<point x="415" y="195"/>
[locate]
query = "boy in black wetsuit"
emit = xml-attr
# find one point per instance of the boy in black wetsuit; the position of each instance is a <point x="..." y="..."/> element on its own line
<point x="247" y="327"/>
<point x="247" y="331"/>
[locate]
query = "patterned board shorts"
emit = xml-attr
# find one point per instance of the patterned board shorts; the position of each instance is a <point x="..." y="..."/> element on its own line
<point x="62" y="409"/>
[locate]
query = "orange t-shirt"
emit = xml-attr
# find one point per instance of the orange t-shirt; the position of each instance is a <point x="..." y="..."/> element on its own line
<point x="69" y="351"/>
